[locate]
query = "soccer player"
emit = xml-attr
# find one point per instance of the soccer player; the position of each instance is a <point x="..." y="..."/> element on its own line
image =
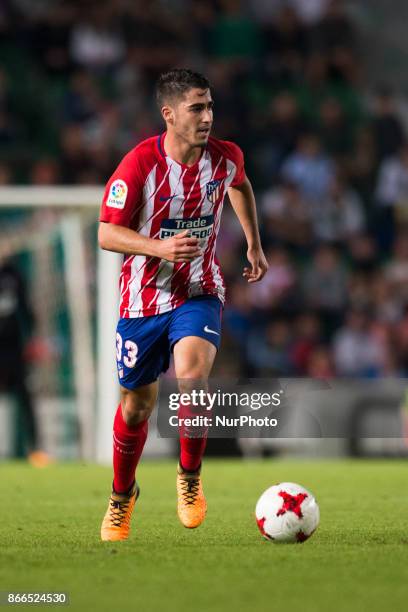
<point x="162" y="210"/>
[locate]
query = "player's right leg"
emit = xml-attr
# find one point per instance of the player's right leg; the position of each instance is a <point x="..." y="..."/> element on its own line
<point x="141" y="356"/>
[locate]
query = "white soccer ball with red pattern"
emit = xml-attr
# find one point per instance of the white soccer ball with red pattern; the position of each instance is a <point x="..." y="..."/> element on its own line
<point x="287" y="512"/>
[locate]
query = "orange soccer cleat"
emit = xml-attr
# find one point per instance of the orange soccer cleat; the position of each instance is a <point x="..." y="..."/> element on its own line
<point x="191" y="504"/>
<point x="116" y="522"/>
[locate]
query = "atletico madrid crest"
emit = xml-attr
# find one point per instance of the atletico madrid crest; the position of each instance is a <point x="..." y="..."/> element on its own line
<point x="213" y="190"/>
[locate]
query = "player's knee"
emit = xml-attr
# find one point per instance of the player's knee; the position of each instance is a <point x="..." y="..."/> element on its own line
<point x="136" y="409"/>
<point x="192" y="379"/>
<point x="196" y="372"/>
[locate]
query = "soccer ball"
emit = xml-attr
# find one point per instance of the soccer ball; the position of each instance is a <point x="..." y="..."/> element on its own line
<point x="287" y="512"/>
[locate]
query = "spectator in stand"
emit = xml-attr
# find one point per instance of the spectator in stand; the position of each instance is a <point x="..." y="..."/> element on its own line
<point x="276" y="135"/>
<point x="359" y="290"/>
<point x="309" y="168"/>
<point x="334" y="129"/>
<point x="159" y="32"/>
<point x="387" y="304"/>
<point x="334" y="37"/>
<point x="396" y="271"/>
<point x="203" y="14"/>
<point x="315" y="84"/>
<point x="386" y="125"/>
<point x="325" y="287"/>
<point x="392" y="187"/>
<point x="231" y="109"/>
<point x="307" y="337"/>
<point x="74" y="156"/>
<point x="234" y="36"/>
<point x="8" y="133"/>
<point x="363" y="253"/>
<point x="335" y="29"/>
<point x="401" y="341"/>
<point x="344" y="70"/>
<point x="278" y="292"/>
<point x="230" y="243"/>
<point x="82" y="99"/>
<point x="28" y="11"/>
<point x="6" y="175"/>
<point x="45" y="171"/>
<point x="96" y="41"/>
<point x="361" y="165"/>
<point x="286" y="215"/>
<point x="269" y="349"/>
<point x="320" y="363"/>
<point x="132" y="95"/>
<point x="339" y="215"/>
<point x="285" y="46"/>
<point x="326" y="77"/>
<point x="357" y="351"/>
<point x="309" y="12"/>
<point x="382" y="331"/>
<point x="392" y="196"/>
<point x="9" y="128"/>
<point x="238" y="321"/>
<point x="264" y="11"/>
<point x="100" y="137"/>
<point x="285" y="124"/>
<point x="49" y="37"/>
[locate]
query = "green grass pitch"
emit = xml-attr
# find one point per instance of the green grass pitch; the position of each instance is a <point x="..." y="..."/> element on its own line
<point x="357" y="560"/>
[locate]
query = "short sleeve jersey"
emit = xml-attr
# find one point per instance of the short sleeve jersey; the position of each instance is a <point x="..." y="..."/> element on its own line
<point x="158" y="197"/>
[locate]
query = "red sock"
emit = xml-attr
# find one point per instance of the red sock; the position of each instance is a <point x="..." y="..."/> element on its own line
<point x="193" y="440"/>
<point x="128" y="443"/>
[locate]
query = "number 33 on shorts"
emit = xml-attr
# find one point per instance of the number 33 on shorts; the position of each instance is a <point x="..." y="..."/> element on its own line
<point x="128" y="353"/>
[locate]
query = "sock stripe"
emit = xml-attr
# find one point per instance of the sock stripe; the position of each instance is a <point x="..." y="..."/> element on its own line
<point x="118" y="441"/>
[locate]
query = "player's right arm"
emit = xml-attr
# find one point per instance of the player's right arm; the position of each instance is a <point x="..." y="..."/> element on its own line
<point x="121" y="207"/>
<point x="121" y="239"/>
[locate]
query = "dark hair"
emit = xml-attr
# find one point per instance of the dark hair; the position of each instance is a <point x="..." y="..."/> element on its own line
<point x="175" y="83"/>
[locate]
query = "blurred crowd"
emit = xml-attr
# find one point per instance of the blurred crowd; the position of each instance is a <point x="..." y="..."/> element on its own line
<point x="325" y="150"/>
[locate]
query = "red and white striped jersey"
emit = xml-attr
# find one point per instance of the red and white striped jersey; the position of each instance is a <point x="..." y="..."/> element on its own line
<point x="158" y="197"/>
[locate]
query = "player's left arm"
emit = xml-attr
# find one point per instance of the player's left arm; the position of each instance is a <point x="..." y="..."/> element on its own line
<point x="243" y="202"/>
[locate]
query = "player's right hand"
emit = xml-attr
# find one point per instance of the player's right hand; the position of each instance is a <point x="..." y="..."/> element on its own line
<point x="180" y="247"/>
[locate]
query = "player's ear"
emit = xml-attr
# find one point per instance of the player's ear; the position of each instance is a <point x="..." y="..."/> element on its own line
<point x="168" y="114"/>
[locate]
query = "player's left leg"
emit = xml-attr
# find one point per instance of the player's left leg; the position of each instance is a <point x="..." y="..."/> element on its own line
<point x="195" y="335"/>
<point x="193" y="359"/>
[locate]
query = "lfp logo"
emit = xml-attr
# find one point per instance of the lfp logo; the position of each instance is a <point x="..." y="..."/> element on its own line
<point x="118" y="190"/>
<point x="117" y="194"/>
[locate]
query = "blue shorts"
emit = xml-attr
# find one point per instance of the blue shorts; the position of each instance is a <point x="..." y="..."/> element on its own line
<point x="144" y="345"/>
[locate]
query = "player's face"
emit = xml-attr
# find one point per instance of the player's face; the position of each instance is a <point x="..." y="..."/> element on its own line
<point x="193" y="117"/>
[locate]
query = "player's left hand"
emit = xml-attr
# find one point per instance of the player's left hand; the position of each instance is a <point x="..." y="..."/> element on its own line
<point x="259" y="265"/>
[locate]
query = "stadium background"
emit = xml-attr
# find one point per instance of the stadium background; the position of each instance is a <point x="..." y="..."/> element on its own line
<point x="313" y="92"/>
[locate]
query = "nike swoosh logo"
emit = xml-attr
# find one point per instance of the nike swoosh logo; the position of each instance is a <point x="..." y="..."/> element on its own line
<point x="210" y="331"/>
<point x="166" y="198"/>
